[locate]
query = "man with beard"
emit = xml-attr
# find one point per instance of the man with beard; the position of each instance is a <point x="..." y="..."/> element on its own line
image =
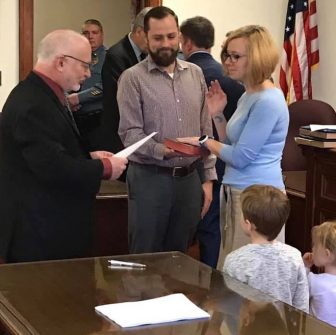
<point x="167" y="95"/>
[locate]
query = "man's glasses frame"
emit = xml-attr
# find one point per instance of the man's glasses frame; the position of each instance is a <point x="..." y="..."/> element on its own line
<point x="234" y="58"/>
<point x="87" y="66"/>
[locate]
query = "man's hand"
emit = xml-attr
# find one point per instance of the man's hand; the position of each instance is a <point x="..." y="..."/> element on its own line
<point x="170" y="153"/>
<point x="100" y="154"/>
<point x="118" y="166"/>
<point x="207" y="190"/>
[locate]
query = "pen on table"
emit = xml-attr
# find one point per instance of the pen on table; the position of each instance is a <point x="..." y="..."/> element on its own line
<point x="118" y="267"/>
<point x="127" y="264"/>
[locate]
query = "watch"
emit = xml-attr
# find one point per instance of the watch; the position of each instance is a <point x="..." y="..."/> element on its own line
<point x="203" y="139"/>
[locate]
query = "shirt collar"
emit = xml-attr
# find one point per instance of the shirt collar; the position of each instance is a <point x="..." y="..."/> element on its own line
<point x="136" y="49"/>
<point x="57" y="89"/>
<point x="100" y="49"/>
<point x="199" y="52"/>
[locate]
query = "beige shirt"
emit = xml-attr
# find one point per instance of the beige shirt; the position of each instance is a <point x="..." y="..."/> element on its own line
<point x="150" y="100"/>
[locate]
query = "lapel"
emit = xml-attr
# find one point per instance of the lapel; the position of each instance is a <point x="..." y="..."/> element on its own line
<point x="68" y="113"/>
<point x="63" y="109"/>
<point x="129" y="50"/>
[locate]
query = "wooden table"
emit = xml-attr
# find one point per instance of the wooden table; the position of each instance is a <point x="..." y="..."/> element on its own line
<point x="58" y="297"/>
<point x="295" y="182"/>
<point x="111" y="210"/>
<point x="312" y="195"/>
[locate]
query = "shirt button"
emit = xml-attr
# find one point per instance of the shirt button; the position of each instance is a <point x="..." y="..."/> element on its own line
<point x="180" y="119"/>
<point x="178" y="100"/>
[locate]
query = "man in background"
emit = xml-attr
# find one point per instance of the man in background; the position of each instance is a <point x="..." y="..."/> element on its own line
<point x="130" y="50"/>
<point x="197" y="39"/>
<point x="167" y="95"/>
<point x="87" y="104"/>
<point x="48" y="178"/>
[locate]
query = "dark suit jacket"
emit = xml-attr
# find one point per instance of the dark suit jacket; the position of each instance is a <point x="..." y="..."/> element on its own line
<point x="48" y="182"/>
<point x="119" y="57"/>
<point x="213" y="70"/>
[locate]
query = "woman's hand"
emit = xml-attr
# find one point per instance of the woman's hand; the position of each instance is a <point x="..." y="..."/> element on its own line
<point x="189" y="140"/>
<point x="216" y="99"/>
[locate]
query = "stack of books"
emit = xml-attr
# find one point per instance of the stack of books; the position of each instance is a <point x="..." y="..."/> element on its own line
<point x="320" y="136"/>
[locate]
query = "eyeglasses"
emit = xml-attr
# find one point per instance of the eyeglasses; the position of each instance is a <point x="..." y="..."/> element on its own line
<point x="233" y="57"/>
<point x="86" y="65"/>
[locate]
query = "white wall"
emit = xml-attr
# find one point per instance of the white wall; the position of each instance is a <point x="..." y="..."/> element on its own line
<point x="115" y="16"/>
<point x="230" y="14"/>
<point x="324" y="78"/>
<point x="225" y="14"/>
<point x="9" y="41"/>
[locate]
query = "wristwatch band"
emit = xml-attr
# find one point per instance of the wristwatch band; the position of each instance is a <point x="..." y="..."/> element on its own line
<point x="202" y="140"/>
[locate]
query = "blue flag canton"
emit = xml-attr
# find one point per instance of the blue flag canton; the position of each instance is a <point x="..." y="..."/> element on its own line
<point x="294" y="7"/>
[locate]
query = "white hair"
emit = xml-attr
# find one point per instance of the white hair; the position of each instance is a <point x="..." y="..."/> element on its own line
<point x="58" y="42"/>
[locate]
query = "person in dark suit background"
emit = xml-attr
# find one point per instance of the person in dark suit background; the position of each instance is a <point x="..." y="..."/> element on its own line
<point x="87" y="103"/>
<point x="130" y="50"/>
<point x="197" y="39"/>
<point x="48" y="179"/>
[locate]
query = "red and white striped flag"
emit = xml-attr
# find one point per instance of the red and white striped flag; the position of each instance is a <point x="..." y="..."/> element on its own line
<point x="300" y="50"/>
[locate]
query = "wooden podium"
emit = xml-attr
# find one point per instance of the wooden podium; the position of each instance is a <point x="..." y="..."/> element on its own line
<point x="312" y="194"/>
<point x="321" y="185"/>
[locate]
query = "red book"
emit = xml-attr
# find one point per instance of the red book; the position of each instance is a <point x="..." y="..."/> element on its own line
<point x="185" y="149"/>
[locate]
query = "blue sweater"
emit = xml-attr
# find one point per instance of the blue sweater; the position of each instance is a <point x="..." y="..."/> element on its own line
<point x="256" y="136"/>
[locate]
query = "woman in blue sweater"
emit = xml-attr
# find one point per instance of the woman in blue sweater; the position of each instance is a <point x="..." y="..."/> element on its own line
<point x="253" y="140"/>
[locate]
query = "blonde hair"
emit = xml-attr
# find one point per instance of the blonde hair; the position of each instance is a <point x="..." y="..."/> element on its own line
<point x="262" y="52"/>
<point x="325" y="235"/>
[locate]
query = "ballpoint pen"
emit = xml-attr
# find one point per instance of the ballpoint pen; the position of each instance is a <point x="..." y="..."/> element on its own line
<point x="127" y="264"/>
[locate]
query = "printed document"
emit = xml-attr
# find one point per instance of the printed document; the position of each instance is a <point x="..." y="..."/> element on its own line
<point x="315" y="127"/>
<point x="173" y="307"/>
<point x="129" y="150"/>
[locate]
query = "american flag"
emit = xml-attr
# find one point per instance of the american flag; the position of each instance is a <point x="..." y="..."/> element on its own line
<point x="300" y="50"/>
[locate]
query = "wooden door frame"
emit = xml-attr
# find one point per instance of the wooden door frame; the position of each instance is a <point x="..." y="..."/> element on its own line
<point x="26" y="32"/>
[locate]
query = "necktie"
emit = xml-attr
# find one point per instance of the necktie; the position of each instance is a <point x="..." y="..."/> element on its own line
<point x="143" y="56"/>
<point x="69" y="112"/>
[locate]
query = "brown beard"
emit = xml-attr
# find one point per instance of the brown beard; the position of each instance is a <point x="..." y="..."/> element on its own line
<point x="161" y="58"/>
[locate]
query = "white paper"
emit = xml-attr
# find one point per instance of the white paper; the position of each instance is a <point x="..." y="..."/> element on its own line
<point x="315" y="127"/>
<point x="130" y="149"/>
<point x="169" y="308"/>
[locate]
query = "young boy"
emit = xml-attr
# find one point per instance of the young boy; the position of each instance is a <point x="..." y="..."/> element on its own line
<point x="272" y="267"/>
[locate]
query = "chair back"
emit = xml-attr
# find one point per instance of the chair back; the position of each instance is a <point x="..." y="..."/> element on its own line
<point x="302" y="113"/>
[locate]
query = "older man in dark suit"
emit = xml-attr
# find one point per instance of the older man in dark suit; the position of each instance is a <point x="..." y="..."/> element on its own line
<point x="197" y="38"/>
<point x="48" y="179"/>
<point x="127" y="52"/>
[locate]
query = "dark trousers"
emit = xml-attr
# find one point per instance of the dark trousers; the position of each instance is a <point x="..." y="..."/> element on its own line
<point x="163" y="210"/>
<point x="208" y="230"/>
